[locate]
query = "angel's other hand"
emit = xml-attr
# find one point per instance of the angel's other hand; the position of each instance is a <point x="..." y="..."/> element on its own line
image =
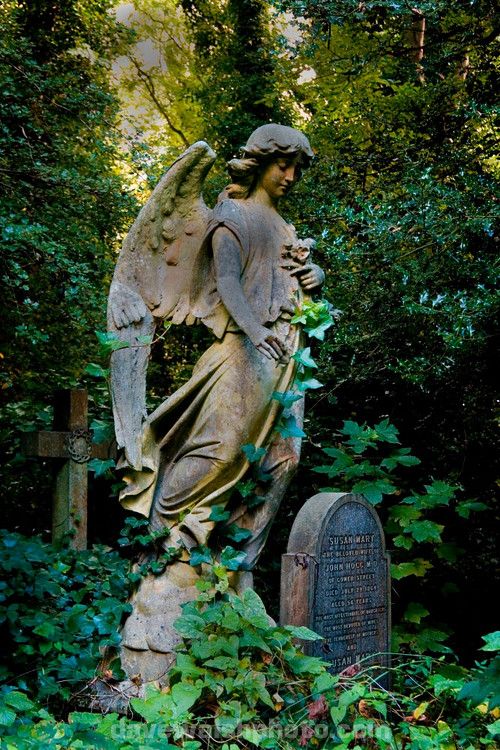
<point x="268" y="344"/>
<point x="310" y="276"/>
<point x="127" y="308"/>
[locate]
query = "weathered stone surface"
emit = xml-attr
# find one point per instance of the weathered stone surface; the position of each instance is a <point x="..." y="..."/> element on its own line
<point x="149" y="636"/>
<point x="335" y="580"/>
<point x="241" y="270"/>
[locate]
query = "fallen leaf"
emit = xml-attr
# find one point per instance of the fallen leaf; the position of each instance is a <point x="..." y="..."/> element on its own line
<point x="318" y="709"/>
<point x="364" y="709"/>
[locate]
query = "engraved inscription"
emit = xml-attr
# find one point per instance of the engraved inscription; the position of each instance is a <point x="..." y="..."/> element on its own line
<point x="350" y="607"/>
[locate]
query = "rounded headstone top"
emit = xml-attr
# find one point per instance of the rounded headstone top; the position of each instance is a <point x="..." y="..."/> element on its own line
<point x="312" y="518"/>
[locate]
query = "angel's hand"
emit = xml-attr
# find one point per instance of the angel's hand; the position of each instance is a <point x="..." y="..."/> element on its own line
<point x="268" y="344"/>
<point x="126" y="306"/>
<point x="310" y="276"/>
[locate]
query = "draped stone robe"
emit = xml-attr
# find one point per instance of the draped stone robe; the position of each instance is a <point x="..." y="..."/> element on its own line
<point x="193" y="442"/>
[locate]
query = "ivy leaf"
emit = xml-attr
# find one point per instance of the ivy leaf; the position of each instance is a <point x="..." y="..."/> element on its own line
<point x="299" y="316"/>
<point x="96" y="371"/>
<point x="250" y="734"/>
<point x="286" y="398"/>
<point x="305" y="634"/>
<point x="318" y="332"/>
<point x="101" y="431"/>
<point x="18" y="700"/>
<point x="262" y="476"/>
<point x="303" y="357"/>
<point x="246" y="488"/>
<point x="185" y="695"/>
<point x="308" y="384"/>
<point x="288" y="427"/>
<point x="494" y="728"/>
<point x="403" y="514"/>
<point x="251" y="608"/>
<point x="7" y="717"/>
<point x="337" y="714"/>
<point x="352" y="429"/>
<point x="400" y="457"/>
<point x="236" y="533"/>
<point x="405" y="542"/>
<point x="300" y="664"/>
<point x="438" y="493"/>
<point x="190" y="625"/>
<point x="466" y="507"/>
<point x="448" y="678"/>
<point x="387" y="432"/>
<point x="415" y="612"/>
<point x="492" y="641"/>
<point x="325" y="682"/>
<point x="431" y="639"/>
<point x="219" y="513"/>
<point x="100" y="467"/>
<point x="232" y="558"/>
<point x="199" y="555"/>
<point x="222" y="662"/>
<point x="484" y="686"/>
<point x="255" y="501"/>
<point x="252" y="639"/>
<point x="425" y="531"/>
<point x="252" y="453"/>
<point x="374" y="490"/>
<point x="110" y="342"/>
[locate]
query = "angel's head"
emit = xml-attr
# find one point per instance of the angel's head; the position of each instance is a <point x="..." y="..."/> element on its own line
<point x="274" y="155"/>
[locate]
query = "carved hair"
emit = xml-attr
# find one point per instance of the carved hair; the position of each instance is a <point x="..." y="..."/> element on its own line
<point x="267" y="143"/>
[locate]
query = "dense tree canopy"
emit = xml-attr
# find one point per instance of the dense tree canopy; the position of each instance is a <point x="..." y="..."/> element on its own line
<point x="64" y="202"/>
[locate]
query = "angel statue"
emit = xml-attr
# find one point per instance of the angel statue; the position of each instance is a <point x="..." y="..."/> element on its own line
<point x="241" y="271"/>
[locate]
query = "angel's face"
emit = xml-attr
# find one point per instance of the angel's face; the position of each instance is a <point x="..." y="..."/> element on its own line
<point x="278" y="177"/>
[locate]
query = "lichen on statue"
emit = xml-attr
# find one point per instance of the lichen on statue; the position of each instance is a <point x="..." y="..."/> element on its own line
<point x="235" y="270"/>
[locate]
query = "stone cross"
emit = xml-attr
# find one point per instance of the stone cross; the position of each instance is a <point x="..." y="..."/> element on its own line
<point x="71" y="443"/>
<point x="335" y="580"/>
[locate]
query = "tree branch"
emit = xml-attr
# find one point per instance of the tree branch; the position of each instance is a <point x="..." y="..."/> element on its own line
<point x="148" y="83"/>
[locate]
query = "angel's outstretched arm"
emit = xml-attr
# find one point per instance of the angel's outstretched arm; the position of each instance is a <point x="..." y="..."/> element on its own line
<point x="226" y="253"/>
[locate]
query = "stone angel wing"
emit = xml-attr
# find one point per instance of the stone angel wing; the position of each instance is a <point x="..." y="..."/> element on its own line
<point x="151" y="283"/>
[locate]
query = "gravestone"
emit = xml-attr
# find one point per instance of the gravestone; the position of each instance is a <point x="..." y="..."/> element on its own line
<point x="335" y="580"/>
<point x="70" y="442"/>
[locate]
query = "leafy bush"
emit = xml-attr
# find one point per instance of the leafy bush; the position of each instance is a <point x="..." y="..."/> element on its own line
<point x="241" y="682"/>
<point x="368" y="460"/>
<point x="59" y="609"/>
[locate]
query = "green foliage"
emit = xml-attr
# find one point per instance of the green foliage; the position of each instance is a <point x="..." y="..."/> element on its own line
<point x="59" y="608"/>
<point x="367" y="460"/>
<point x="238" y="679"/>
<point x="358" y="464"/>
<point x="315" y="317"/>
<point x="235" y="47"/>
<point x="65" y="200"/>
<point x="403" y="200"/>
<point x="484" y="685"/>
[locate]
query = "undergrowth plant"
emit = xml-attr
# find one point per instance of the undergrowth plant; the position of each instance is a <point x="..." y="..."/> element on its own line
<point x="368" y="460"/>
<point x="242" y="682"/>
<point x="59" y="608"/>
